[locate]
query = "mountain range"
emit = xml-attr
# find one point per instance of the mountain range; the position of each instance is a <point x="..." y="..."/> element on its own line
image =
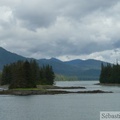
<point x="81" y="69"/>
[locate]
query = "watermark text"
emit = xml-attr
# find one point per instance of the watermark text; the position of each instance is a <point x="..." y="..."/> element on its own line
<point x="110" y="115"/>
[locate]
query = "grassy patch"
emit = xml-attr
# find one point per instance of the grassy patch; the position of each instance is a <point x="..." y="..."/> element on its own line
<point x="46" y="87"/>
<point x="27" y="89"/>
<point x="39" y="87"/>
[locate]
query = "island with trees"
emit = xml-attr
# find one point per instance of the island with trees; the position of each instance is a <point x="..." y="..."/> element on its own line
<point x="26" y="74"/>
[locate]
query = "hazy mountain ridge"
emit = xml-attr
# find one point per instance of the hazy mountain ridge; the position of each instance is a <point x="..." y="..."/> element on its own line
<point x="7" y="57"/>
<point x="82" y="69"/>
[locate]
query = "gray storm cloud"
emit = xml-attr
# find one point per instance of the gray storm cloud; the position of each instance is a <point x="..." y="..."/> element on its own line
<point x="54" y="28"/>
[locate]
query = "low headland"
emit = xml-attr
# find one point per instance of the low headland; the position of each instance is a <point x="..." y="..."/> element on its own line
<point x="47" y="90"/>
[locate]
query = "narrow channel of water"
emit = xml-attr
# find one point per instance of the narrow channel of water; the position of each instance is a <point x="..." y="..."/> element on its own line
<point x="60" y="107"/>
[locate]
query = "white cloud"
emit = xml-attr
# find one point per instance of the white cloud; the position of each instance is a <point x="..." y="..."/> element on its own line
<point x="111" y="56"/>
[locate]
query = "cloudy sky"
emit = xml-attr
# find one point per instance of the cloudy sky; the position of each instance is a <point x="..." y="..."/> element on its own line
<point x="65" y="29"/>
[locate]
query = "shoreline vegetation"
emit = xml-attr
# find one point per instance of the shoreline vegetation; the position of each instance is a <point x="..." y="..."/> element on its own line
<point x="47" y="90"/>
<point x="110" y="74"/>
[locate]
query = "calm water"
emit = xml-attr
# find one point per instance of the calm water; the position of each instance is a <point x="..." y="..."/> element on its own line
<point x="60" y="107"/>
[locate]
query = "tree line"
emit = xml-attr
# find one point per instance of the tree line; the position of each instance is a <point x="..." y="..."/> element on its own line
<point x="26" y="74"/>
<point x="110" y="74"/>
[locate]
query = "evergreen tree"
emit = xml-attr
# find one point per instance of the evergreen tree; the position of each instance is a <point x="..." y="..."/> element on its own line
<point x="49" y="75"/>
<point x="110" y="74"/>
<point x="42" y="76"/>
<point x="116" y="74"/>
<point x="35" y="76"/>
<point x="6" y="76"/>
<point x="29" y="82"/>
<point x="102" y="75"/>
<point x="18" y="80"/>
<point x="0" y="77"/>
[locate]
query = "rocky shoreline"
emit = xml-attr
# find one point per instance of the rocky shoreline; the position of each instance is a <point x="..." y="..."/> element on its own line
<point x="107" y="84"/>
<point x="57" y="87"/>
<point x="47" y="92"/>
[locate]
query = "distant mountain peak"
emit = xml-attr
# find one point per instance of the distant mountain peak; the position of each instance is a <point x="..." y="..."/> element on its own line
<point x="7" y="57"/>
<point x="54" y="59"/>
<point x="2" y="49"/>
